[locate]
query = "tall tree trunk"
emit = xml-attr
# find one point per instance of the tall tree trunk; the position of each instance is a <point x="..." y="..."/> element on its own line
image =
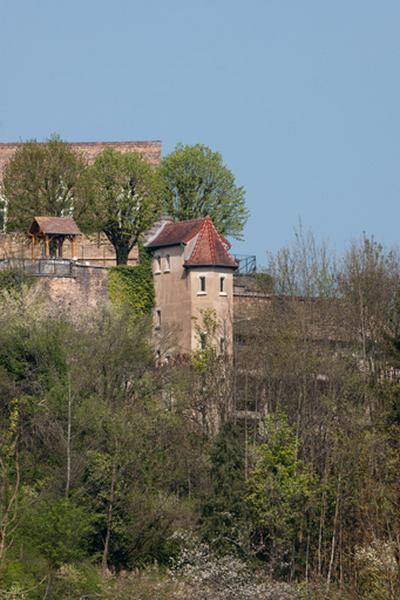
<point x="322" y="518"/>
<point x="110" y="508"/>
<point x="246" y="441"/>
<point x="334" y="534"/>
<point x="10" y="504"/>
<point x="122" y="253"/>
<point x="307" y="556"/>
<point x="69" y="429"/>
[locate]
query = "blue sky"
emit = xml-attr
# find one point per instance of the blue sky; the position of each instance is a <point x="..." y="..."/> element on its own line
<point x="301" y="97"/>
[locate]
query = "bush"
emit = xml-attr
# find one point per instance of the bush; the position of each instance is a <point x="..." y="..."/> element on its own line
<point x="378" y="570"/>
<point x="224" y="577"/>
<point x="73" y="582"/>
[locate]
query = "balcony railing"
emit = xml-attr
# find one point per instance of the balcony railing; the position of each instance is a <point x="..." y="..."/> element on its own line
<point x="247" y="263"/>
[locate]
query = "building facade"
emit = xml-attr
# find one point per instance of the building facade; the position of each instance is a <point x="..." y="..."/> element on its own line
<point x="193" y="278"/>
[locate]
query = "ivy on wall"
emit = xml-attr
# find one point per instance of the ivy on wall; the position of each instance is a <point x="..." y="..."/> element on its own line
<point x="133" y="286"/>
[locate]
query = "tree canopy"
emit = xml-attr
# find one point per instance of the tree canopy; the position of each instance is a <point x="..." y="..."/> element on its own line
<point x="196" y="183"/>
<point x="42" y="179"/>
<point x="122" y="201"/>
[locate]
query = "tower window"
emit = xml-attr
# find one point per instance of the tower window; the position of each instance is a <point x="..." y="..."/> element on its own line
<point x="158" y="318"/>
<point x="167" y="263"/>
<point x="202" y="284"/>
<point x="222" y="285"/>
<point x="158" y="264"/>
<point x="222" y="345"/>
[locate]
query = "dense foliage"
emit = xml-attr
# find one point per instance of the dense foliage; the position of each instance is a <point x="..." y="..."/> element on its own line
<point x="122" y="199"/>
<point x="196" y="183"/>
<point x="121" y="193"/>
<point x="42" y="179"/>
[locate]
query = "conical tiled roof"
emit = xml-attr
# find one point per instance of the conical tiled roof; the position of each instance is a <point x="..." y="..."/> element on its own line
<point x="210" y="248"/>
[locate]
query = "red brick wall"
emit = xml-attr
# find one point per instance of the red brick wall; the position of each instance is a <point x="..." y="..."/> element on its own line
<point x="151" y="150"/>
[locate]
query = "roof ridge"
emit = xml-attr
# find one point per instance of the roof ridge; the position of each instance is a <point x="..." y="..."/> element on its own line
<point x="189" y="220"/>
<point x="210" y="225"/>
<point x="199" y="237"/>
<point x="222" y="238"/>
<point x="53" y="217"/>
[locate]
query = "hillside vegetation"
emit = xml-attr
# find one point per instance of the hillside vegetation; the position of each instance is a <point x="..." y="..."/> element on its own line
<point x="121" y="479"/>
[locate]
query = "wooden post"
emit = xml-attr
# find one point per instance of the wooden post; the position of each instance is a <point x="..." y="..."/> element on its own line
<point x="47" y="249"/>
<point x="73" y="247"/>
<point x="33" y="247"/>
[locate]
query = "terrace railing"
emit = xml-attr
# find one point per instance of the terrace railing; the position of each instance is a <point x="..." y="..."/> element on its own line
<point x="247" y="263"/>
<point x="45" y="267"/>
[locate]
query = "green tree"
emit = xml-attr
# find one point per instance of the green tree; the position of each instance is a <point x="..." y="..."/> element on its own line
<point x="123" y="199"/>
<point x="196" y="183"/>
<point x="60" y="531"/>
<point x="279" y="491"/>
<point x="224" y="511"/>
<point x="42" y="179"/>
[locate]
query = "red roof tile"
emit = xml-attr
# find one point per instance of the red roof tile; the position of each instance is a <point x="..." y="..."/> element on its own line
<point x="210" y="248"/>
<point x="173" y="234"/>
<point x="181" y="232"/>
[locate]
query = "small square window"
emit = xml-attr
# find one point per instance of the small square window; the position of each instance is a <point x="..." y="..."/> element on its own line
<point x="202" y="284"/>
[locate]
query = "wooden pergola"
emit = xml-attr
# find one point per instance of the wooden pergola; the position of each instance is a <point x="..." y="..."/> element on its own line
<point x="54" y="230"/>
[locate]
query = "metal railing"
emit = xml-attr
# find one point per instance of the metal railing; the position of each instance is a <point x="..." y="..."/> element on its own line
<point x="247" y="263"/>
<point x="44" y="267"/>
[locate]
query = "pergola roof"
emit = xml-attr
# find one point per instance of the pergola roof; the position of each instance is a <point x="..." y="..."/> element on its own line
<point x="54" y="226"/>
